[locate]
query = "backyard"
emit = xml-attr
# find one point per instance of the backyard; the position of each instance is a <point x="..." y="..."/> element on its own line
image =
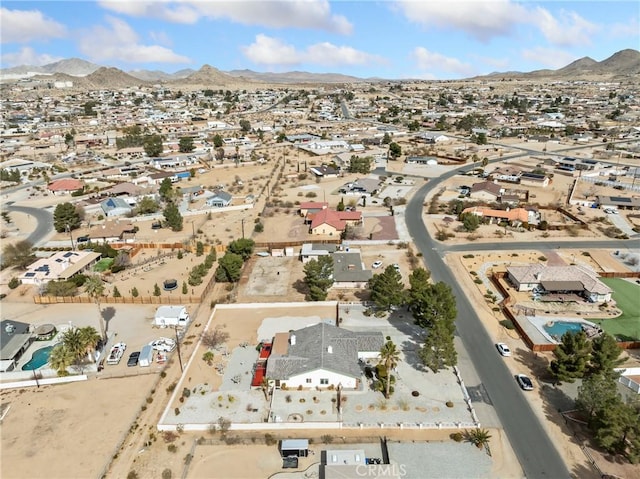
<point x="625" y="327"/>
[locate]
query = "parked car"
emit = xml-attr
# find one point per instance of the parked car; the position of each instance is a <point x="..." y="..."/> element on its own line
<point x="82" y="239"/>
<point x="116" y="353"/>
<point x="163" y="344"/>
<point x="396" y="266"/>
<point x="524" y="382"/>
<point x="503" y="349"/>
<point x="376" y="264"/>
<point x="133" y="359"/>
<point x="156" y="226"/>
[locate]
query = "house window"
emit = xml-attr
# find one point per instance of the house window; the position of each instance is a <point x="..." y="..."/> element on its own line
<point x="324" y="381"/>
<point x="308" y="380"/>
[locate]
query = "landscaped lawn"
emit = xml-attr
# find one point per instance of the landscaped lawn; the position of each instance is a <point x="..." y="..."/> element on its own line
<point x="103" y="265"/>
<point x="627" y="297"/>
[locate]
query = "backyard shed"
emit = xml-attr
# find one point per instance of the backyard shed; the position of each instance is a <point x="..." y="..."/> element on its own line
<point x="294" y="447"/>
<point x="146" y="356"/>
<point x="171" y="316"/>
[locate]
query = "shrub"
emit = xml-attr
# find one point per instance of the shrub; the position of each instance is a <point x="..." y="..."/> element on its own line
<point x="166" y="474"/>
<point x="270" y="440"/>
<point x="134" y="292"/>
<point x="456" y="436"/>
<point x="14" y="283"/>
<point x="172" y="448"/>
<point x="449" y="404"/>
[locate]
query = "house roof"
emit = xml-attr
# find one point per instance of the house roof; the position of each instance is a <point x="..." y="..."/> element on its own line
<point x="65" y="184"/>
<point x="347" y="267"/>
<point x="515" y="214"/>
<point x="313" y="205"/>
<point x="337" y="219"/>
<point x="488" y="186"/>
<point x="322" y="346"/>
<point x="61" y="265"/>
<point x="114" y="203"/>
<point x="555" y="275"/>
<point x="110" y="229"/>
<point x="13" y="335"/>
<point x="222" y="195"/>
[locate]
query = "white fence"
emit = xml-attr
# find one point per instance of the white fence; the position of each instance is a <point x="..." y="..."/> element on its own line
<point x="43" y="382"/>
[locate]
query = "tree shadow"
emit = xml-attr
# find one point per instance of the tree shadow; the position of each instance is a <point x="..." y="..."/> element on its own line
<point x="584" y="472"/>
<point x="108" y="314"/>
<point x="300" y="286"/>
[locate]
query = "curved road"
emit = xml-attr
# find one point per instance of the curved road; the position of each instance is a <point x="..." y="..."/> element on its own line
<point x="537" y="454"/>
<point x="44" y="221"/>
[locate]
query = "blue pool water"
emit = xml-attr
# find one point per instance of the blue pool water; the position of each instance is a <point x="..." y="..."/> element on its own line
<point x="39" y="359"/>
<point x="560" y="327"/>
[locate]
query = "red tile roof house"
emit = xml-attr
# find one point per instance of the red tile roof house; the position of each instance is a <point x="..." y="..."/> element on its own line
<point x="310" y="207"/>
<point x="331" y="222"/>
<point x="65" y="186"/>
<point x="514" y="216"/>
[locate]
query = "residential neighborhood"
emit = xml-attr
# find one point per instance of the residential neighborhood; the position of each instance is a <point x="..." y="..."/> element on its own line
<point x="334" y="267"/>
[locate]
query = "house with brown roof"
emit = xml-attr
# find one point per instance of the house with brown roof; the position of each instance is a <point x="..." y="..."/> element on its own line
<point x="65" y="186"/>
<point x="331" y="222"/>
<point x="112" y="231"/>
<point x="307" y="207"/>
<point x="515" y="216"/>
<point x="486" y="191"/>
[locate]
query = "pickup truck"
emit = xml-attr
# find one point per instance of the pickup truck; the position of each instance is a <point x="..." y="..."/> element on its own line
<point x="116" y="353"/>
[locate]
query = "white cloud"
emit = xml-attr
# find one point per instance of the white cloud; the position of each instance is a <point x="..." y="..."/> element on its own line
<point x="568" y="28"/>
<point x="309" y="14"/>
<point x="629" y="29"/>
<point x="161" y="38"/>
<point x="480" y="19"/>
<point x="27" y="56"/>
<point x="22" y="26"/>
<point x="548" y="57"/>
<point x="271" y="51"/>
<point x="431" y="61"/>
<point x="118" y="41"/>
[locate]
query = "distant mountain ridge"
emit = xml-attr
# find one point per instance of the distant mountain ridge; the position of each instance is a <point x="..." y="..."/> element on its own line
<point x="86" y="74"/>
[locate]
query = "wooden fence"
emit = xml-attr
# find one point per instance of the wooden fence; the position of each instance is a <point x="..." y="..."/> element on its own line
<point x="177" y="299"/>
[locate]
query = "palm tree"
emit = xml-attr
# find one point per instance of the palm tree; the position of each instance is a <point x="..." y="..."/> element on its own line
<point x="389" y="358"/>
<point x="90" y="339"/>
<point x="479" y="437"/>
<point x="73" y="342"/>
<point x="95" y="289"/>
<point x="61" y="358"/>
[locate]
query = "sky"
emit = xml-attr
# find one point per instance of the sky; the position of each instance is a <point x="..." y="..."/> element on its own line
<point x="392" y="39"/>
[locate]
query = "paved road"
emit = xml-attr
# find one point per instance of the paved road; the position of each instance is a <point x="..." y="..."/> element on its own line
<point x="531" y="444"/>
<point x="43" y="218"/>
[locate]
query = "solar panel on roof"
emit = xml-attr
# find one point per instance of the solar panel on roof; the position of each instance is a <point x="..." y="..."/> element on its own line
<point x="620" y="199"/>
<point x="68" y="253"/>
<point x="29" y="274"/>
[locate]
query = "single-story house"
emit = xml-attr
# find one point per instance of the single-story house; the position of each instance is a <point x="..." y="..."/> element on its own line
<point x="325" y="171"/>
<point x="422" y="160"/>
<point x="514" y="216"/>
<point x="321" y="356"/>
<point x="331" y="222"/>
<point x="311" y="251"/>
<point x="572" y="279"/>
<point x="308" y="207"/>
<point x="15" y="338"/>
<point x="65" y="186"/>
<point x="220" y="199"/>
<point x="349" y="271"/>
<point x="486" y="191"/>
<point x="432" y="137"/>
<point x="59" y="267"/>
<point x="111" y="232"/>
<point x="171" y="316"/>
<point x="618" y="202"/>
<point x="294" y="447"/>
<point x="115" y="207"/>
<point x="534" y="179"/>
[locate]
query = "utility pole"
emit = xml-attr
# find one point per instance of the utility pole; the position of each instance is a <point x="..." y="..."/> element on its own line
<point x="178" y="346"/>
<point x="242" y="221"/>
<point x="70" y="236"/>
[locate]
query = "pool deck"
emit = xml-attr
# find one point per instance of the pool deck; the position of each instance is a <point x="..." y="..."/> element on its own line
<point x="534" y="326"/>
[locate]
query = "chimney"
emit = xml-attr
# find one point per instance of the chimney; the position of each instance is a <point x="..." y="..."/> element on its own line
<point x="292" y="339"/>
<point x="330" y="349"/>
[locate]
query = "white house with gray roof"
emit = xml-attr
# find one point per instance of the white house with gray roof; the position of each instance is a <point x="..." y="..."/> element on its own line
<point x="320" y="356"/>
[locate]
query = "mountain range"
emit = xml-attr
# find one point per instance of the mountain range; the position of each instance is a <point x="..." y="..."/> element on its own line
<point x="89" y="75"/>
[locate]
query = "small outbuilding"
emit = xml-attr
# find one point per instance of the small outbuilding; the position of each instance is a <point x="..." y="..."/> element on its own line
<point x="171" y="316"/>
<point x="294" y="447"/>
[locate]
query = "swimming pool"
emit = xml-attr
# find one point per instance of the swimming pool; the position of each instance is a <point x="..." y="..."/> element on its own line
<point x="40" y="358"/>
<point x="558" y="328"/>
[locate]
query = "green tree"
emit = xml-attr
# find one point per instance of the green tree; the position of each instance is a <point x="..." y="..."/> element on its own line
<point x="432" y="303"/>
<point x="229" y="268"/>
<point x="147" y="205"/>
<point x="318" y="276"/>
<point x="18" y="254"/>
<point x="571" y="357"/>
<point x="386" y="139"/>
<point x="166" y="190"/>
<point x="360" y="165"/>
<point x="90" y="339"/>
<point x="199" y="248"/>
<point x="618" y="427"/>
<point x="134" y="292"/>
<point x="60" y="359"/>
<point x="479" y="437"/>
<point x="605" y="355"/>
<point x="340" y="206"/>
<point x="173" y="217"/>
<point x="389" y="358"/>
<point x="243" y="247"/>
<point x="597" y="392"/>
<point x="481" y="138"/>
<point x="387" y="290"/>
<point x="185" y="145"/>
<point x="208" y="357"/>
<point x="153" y="145"/>
<point x="156" y="290"/>
<point x="245" y="125"/>
<point x="185" y="289"/>
<point x="395" y="150"/>
<point x="470" y="222"/>
<point x="116" y="292"/>
<point x="66" y="216"/>
<point x="94" y="287"/>
<point x="217" y="140"/>
<point x="438" y="350"/>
